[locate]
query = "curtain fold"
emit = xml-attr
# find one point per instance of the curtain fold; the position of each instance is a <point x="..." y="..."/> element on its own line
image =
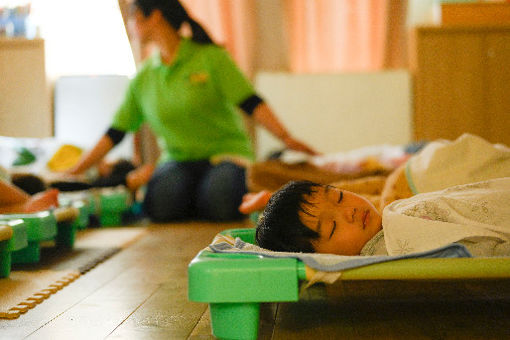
<point x="345" y="35"/>
<point x="395" y="41"/>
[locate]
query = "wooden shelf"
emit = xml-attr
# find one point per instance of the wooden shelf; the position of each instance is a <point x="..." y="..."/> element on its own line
<point x="20" y="42"/>
<point x="24" y="100"/>
<point x="461" y="82"/>
<point x="479" y="13"/>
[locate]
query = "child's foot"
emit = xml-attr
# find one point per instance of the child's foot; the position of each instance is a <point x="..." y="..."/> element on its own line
<point x="42" y="201"/>
<point x="254" y="201"/>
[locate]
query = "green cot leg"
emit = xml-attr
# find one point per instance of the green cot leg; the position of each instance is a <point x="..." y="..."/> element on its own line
<point x="30" y="254"/>
<point x="66" y="235"/>
<point x="5" y="264"/>
<point x="111" y="218"/>
<point x="235" y="320"/>
<point x="5" y="260"/>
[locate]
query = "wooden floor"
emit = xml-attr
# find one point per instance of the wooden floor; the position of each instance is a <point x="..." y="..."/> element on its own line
<point x="141" y="293"/>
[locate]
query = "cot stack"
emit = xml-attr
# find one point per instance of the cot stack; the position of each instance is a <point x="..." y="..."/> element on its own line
<point x="21" y="235"/>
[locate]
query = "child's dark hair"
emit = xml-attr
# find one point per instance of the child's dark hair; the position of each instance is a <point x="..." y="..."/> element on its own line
<point x="280" y="228"/>
<point x="176" y="15"/>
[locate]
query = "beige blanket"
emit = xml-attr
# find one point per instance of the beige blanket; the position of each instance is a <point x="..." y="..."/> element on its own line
<point x="431" y="220"/>
<point x="468" y="159"/>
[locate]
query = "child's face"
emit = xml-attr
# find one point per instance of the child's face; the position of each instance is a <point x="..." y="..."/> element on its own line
<point x="344" y="220"/>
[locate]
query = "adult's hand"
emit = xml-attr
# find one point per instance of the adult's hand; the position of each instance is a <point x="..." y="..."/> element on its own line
<point x="139" y="176"/>
<point x="297" y="145"/>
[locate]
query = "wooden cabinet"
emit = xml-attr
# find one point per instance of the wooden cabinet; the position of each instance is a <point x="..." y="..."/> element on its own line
<point x="24" y="100"/>
<point x="461" y="82"/>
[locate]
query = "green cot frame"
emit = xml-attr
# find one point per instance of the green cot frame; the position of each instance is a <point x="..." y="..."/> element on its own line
<point x="109" y="206"/>
<point x="18" y="241"/>
<point x="29" y="230"/>
<point x="112" y="206"/>
<point x="40" y="226"/>
<point x="234" y="285"/>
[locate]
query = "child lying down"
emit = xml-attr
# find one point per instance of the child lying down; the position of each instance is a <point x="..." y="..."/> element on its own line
<point x="441" y="164"/>
<point x="309" y="217"/>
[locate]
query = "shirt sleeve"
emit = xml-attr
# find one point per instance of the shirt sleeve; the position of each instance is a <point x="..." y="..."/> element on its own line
<point x="128" y="116"/>
<point x="231" y="81"/>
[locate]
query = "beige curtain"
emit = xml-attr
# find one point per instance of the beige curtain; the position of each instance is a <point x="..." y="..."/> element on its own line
<point x="395" y="42"/>
<point x="345" y="35"/>
<point x="231" y="23"/>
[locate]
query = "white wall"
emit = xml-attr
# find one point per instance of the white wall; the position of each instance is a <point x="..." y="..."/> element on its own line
<point x="84" y="109"/>
<point x="338" y="112"/>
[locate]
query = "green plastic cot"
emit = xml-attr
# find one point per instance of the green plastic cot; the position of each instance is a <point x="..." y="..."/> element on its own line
<point x="107" y="204"/>
<point x="66" y="226"/>
<point x="83" y="207"/>
<point x="234" y="285"/>
<point x="82" y="221"/>
<point x="17" y="241"/>
<point x="40" y="226"/>
<point x="112" y="206"/>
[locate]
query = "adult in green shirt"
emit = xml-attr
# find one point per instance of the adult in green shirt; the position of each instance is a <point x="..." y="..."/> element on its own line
<point x="188" y="93"/>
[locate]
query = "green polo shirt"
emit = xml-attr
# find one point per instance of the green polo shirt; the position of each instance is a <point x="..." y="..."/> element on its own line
<point x="191" y="105"/>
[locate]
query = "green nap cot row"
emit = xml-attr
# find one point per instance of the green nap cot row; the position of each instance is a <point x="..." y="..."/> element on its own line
<point x="22" y="234"/>
<point x="108" y="205"/>
<point x="28" y="231"/>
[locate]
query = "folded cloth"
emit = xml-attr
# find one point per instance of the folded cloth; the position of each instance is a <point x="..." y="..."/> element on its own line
<point x="468" y="159"/>
<point x="328" y="262"/>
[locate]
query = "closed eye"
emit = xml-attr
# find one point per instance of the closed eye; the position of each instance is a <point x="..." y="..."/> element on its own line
<point x="332" y="229"/>
<point x="340" y="197"/>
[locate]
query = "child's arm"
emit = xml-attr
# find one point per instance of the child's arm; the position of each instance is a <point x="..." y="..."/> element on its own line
<point x="395" y="188"/>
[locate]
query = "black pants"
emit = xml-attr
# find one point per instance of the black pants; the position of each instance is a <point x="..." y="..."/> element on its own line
<point x="195" y="190"/>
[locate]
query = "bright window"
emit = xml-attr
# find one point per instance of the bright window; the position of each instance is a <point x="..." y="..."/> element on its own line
<point x="83" y="37"/>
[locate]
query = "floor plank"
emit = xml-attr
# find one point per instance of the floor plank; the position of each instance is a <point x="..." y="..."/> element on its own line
<point x="202" y="330"/>
<point x="141" y="293"/>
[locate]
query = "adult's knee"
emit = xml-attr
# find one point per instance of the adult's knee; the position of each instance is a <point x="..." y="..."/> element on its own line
<point x="221" y="192"/>
<point x="168" y="197"/>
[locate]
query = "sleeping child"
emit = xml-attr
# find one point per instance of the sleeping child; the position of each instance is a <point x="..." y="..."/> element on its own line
<point x="439" y="165"/>
<point x="308" y="217"/>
